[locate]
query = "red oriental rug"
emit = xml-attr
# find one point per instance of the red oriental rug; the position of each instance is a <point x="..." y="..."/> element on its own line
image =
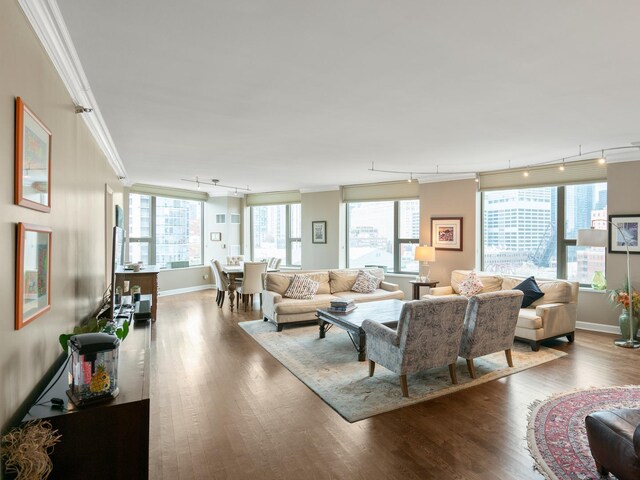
<point x="557" y="435"/>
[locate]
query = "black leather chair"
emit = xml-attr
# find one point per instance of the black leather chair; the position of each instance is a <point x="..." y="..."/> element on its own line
<point x="614" y="439"/>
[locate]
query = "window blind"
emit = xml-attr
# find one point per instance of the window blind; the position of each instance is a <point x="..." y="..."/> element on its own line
<point x="272" y="198"/>
<point x="380" y="191"/>
<point x="169" y="192"/>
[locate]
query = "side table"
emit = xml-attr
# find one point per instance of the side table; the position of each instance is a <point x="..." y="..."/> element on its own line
<point x="416" y="287"/>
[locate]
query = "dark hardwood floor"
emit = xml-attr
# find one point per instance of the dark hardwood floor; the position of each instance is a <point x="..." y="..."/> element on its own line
<point x="222" y="407"/>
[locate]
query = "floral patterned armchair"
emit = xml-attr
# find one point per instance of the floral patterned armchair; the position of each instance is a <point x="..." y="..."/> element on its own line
<point x="428" y="336"/>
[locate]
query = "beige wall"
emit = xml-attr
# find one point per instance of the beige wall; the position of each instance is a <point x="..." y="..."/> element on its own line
<point x="450" y="199"/>
<point x="79" y="174"/>
<point x="322" y="206"/>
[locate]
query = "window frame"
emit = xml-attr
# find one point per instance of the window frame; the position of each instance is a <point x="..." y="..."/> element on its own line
<point x="289" y="240"/>
<point x="151" y="240"/>
<point x="562" y="243"/>
<point x="397" y="241"/>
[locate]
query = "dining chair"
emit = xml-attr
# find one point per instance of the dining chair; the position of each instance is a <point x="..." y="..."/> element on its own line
<point x="428" y="336"/>
<point x="251" y="283"/>
<point x="235" y="259"/>
<point x="222" y="282"/>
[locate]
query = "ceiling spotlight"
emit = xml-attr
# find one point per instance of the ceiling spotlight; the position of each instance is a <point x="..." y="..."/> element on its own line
<point x="410" y="179"/>
<point x="602" y="160"/>
<point x="236" y="192"/>
<point x="561" y="167"/>
<point x="81" y="109"/>
<point x="525" y="173"/>
<point x="477" y="178"/>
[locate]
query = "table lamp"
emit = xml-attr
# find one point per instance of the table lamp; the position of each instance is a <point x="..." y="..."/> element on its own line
<point x="424" y="255"/>
<point x="591" y="237"/>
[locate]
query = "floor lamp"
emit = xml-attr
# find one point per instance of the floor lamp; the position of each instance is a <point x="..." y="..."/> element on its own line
<point x="591" y="237"/>
<point x="424" y="255"/>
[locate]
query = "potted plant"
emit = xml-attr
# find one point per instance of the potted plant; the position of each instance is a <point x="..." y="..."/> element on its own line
<point x="93" y="325"/>
<point x="621" y="297"/>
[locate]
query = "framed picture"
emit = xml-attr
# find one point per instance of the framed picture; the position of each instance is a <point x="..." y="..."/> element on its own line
<point x="319" y="232"/>
<point x="33" y="273"/>
<point x="446" y="233"/>
<point x="216" y="236"/>
<point x="33" y="160"/>
<point x="623" y="230"/>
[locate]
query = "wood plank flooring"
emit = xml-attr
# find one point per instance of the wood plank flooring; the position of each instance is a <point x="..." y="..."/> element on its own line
<point x="223" y="408"/>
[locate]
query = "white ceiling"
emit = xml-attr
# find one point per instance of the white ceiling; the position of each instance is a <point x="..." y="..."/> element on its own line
<point x="296" y="94"/>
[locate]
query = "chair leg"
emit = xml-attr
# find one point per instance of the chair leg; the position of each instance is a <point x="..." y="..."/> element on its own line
<point x="403" y="385"/>
<point x="601" y="470"/>
<point x="507" y="353"/>
<point x="260" y="300"/>
<point x="471" y="367"/>
<point x="372" y="367"/>
<point x="453" y="374"/>
<point x="222" y="298"/>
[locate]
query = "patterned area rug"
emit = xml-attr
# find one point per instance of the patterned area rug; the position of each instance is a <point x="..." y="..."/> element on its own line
<point x="331" y="369"/>
<point x="557" y="435"/>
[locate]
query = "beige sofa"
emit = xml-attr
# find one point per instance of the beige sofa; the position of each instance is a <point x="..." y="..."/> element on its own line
<point x="554" y="315"/>
<point x="334" y="284"/>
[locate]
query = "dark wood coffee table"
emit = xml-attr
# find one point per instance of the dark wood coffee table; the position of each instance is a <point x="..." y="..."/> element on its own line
<point x="386" y="312"/>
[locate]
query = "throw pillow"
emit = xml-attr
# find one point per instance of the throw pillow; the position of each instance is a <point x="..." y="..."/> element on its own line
<point x="471" y="285"/>
<point x="365" y="282"/>
<point x="531" y="291"/>
<point x="302" y="288"/>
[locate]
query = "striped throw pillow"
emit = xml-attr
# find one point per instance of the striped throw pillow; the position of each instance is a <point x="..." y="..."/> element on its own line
<point x="365" y="282"/>
<point x="302" y="288"/>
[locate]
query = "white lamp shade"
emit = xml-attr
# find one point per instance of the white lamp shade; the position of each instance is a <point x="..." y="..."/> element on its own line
<point x="425" y="254"/>
<point x="591" y="237"/>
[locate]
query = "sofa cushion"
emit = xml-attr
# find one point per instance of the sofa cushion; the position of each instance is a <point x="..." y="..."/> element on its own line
<point x="290" y="306"/>
<point x="302" y="287"/>
<point x="531" y="291"/>
<point x="365" y="282"/>
<point x="527" y="318"/>
<point x="323" y="279"/>
<point x="342" y="280"/>
<point x="471" y="285"/>
<point x="491" y="283"/>
<point x="378" y="294"/>
<point x="277" y="282"/>
<point x="555" y="291"/>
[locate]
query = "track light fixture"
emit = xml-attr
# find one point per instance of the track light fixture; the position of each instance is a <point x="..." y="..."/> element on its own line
<point x="562" y="161"/>
<point x="216" y="183"/>
<point x="81" y="109"/>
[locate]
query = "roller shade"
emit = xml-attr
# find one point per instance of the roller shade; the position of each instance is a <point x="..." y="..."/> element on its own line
<point x="169" y="192"/>
<point x="585" y="171"/>
<point x="272" y="198"/>
<point x="380" y="191"/>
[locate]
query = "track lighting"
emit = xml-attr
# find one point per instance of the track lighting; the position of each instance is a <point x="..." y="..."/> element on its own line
<point x="561" y="167"/>
<point x="81" y="109"/>
<point x="216" y="183"/>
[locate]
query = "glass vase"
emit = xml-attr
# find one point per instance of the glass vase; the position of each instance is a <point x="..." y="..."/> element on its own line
<point x="623" y="321"/>
<point x="598" y="282"/>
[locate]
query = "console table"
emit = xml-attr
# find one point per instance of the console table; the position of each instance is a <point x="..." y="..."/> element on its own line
<point x="108" y="440"/>
<point x="146" y="279"/>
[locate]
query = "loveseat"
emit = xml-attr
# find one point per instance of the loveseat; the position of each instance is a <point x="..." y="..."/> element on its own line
<point x="551" y="316"/>
<point x="334" y="284"/>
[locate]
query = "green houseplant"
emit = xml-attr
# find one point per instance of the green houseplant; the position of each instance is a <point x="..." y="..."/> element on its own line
<point x="93" y="325"/>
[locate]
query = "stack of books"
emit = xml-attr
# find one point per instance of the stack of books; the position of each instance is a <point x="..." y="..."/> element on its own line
<point x="342" y="306"/>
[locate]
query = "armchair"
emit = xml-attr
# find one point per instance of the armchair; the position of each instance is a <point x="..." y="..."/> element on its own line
<point x="490" y="325"/>
<point x="428" y="336"/>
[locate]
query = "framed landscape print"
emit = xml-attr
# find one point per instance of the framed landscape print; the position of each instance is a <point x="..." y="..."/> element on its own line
<point x="33" y="273"/>
<point x="319" y="232"/>
<point x="623" y="230"/>
<point x="446" y="233"/>
<point x="33" y="160"/>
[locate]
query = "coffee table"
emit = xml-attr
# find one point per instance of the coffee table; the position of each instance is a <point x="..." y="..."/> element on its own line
<point x="386" y="312"/>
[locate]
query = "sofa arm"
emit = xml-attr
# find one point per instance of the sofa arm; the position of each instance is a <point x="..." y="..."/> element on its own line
<point x="390" y="287"/>
<point x="557" y="318"/>
<point x="381" y="332"/>
<point x="442" y="291"/>
<point x="269" y="301"/>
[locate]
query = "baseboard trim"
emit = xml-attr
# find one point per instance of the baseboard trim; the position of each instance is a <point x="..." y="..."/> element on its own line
<point x="598" y="327"/>
<point x="178" y="291"/>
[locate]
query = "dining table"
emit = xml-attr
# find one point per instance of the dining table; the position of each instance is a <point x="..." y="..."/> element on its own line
<point x="235" y="272"/>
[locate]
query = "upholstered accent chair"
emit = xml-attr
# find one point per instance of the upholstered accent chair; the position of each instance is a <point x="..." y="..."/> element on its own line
<point x="222" y="282"/>
<point x="490" y="325"/>
<point x="251" y="282"/>
<point x="274" y="263"/>
<point x="235" y="259"/>
<point x="428" y="335"/>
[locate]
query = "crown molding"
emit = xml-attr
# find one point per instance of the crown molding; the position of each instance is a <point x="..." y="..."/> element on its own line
<point x="47" y="22"/>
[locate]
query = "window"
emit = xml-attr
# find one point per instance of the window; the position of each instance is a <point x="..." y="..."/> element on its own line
<point x="384" y="234"/>
<point x="164" y="231"/>
<point x="277" y="232"/>
<point x="533" y="231"/>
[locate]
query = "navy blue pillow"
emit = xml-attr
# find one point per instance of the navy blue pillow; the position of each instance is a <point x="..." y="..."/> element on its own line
<point x="531" y="291"/>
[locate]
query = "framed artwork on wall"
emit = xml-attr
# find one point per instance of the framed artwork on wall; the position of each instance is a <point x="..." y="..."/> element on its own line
<point x="628" y="225"/>
<point x="33" y="160"/>
<point x="33" y="273"/>
<point x="319" y="231"/>
<point x="446" y="233"/>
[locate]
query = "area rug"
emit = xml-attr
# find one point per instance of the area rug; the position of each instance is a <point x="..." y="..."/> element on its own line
<point x="557" y="435"/>
<point x="330" y="368"/>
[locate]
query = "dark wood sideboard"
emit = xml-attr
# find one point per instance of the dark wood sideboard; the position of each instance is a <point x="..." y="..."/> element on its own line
<point x="146" y="279"/>
<point x="108" y="440"/>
